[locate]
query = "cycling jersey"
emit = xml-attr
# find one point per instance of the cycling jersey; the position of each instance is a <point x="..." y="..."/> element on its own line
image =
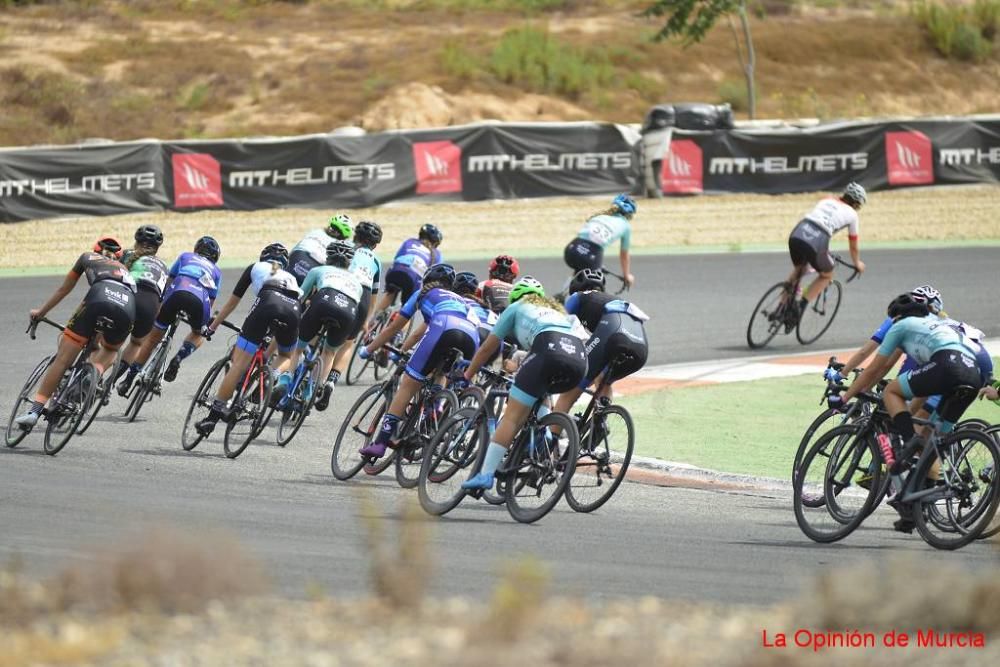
<point x="588" y="306"/>
<point x="487" y="318"/>
<point x="416" y="256"/>
<point x="344" y="281"/>
<point x="96" y="267"/>
<point x="259" y="275"/>
<point x="606" y="229"/>
<point x="314" y="244"/>
<point x="921" y="337"/>
<point x="527" y="320"/>
<point x="367" y="267"/>
<point x="149" y="271"/>
<point x="193" y="273"/>
<point x="495" y="294"/>
<point x="832" y="214"/>
<point x="437" y="301"/>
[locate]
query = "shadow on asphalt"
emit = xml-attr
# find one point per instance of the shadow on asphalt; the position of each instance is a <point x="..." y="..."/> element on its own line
<point x="24" y="451"/>
<point x="162" y="451"/>
<point x="804" y="543"/>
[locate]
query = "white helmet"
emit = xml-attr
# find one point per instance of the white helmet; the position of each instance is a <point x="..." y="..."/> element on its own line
<point x="856" y="193"/>
<point x="930" y="295"/>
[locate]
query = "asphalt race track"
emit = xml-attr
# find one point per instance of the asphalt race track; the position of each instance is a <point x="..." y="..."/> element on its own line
<point x="285" y="506"/>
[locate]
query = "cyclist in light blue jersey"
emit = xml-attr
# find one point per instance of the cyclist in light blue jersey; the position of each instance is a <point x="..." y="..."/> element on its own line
<point x="586" y="251"/>
<point x="556" y="363"/>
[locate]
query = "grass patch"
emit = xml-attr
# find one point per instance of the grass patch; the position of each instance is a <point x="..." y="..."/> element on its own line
<point x="962" y="32"/>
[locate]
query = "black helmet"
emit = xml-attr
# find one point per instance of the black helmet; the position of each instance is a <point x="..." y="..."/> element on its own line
<point x="208" y="248"/>
<point x="440" y="274"/>
<point x="431" y="233"/>
<point x="149" y="235"/>
<point x="466" y="282"/>
<point x="908" y="305"/>
<point x="339" y="253"/>
<point x="275" y="252"/>
<point x="368" y="232"/>
<point x="587" y="279"/>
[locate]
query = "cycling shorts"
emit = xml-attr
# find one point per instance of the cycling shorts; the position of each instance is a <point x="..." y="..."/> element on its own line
<point x="810" y="244"/>
<point x="946" y="370"/>
<point x="444" y="334"/>
<point x="363" y="307"/>
<point x="191" y="304"/>
<point x="271" y="306"/>
<point x="333" y="307"/>
<point x="147" y="303"/>
<point x="617" y="336"/>
<point x="105" y="299"/>
<point x="556" y="363"/>
<point x="583" y="254"/>
<point x="300" y="263"/>
<point x="402" y="280"/>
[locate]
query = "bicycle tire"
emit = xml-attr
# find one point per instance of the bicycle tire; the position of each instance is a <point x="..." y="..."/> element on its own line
<point x="203" y="397"/>
<point x="601" y="450"/>
<point x="357" y="366"/>
<point x="458" y="456"/>
<point x="287" y="426"/>
<point x="15" y="434"/>
<point x="472" y="396"/>
<point x="774" y="326"/>
<point x="249" y="407"/>
<point x="994" y="527"/>
<point x="76" y="395"/>
<point x="813" y="307"/>
<point x="369" y="408"/>
<point x="144" y="383"/>
<point x="409" y="459"/>
<point x="102" y="397"/>
<point x="543" y="463"/>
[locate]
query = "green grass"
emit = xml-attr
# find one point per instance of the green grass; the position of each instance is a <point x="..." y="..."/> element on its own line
<point x="750" y="428"/>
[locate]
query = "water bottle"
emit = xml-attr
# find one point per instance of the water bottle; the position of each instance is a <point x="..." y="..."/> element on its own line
<point x="885" y="445"/>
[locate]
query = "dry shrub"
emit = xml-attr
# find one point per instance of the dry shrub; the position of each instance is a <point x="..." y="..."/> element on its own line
<point x="517" y="599"/>
<point x="399" y="579"/>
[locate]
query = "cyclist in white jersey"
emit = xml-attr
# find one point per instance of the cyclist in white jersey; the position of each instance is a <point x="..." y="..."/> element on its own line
<point x="310" y="252"/>
<point x="809" y="242"/>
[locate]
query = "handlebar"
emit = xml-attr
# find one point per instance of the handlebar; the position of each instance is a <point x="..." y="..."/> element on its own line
<point x="625" y="286"/>
<point x="854" y="275"/>
<point x="33" y="326"/>
<point x="208" y="333"/>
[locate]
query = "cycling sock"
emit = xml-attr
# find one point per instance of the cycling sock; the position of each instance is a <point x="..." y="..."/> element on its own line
<point x="334" y="376"/>
<point x="542" y="411"/>
<point x="389" y="424"/>
<point x="903" y="422"/>
<point x="186" y="349"/>
<point x="494" y="455"/>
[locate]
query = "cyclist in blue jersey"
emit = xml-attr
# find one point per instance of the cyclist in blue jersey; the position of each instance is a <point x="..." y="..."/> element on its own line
<point x="448" y="324"/>
<point x="467" y="287"/>
<point x="556" y="363"/>
<point x="413" y="258"/>
<point x="195" y="281"/>
<point x="586" y="251"/>
<point x="310" y="252"/>
<point x="150" y="275"/>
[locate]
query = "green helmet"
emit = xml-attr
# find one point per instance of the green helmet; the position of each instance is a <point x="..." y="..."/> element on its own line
<point x="526" y="285"/>
<point x="340" y="226"/>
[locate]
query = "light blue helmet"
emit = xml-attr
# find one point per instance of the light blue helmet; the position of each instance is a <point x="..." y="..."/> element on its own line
<point x="625" y="205"/>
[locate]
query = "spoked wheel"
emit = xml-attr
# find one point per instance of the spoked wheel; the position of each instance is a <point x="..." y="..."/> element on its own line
<point x="15" y="434"/>
<point x="990" y="476"/>
<point x="544" y="463"/>
<point x="358" y="429"/>
<point x="605" y="452"/>
<point x="966" y="493"/>
<point x="103" y="394"/>
<point x="300" y="403"/>
<point x="836" y="467"/>
<point x="768" y="317"/>
<point x="357" y="366"/>
<point x="437" y="409"/>
<point x="201" y="403"/>
<point x="246" y="417"/>
<point x="818" y="316"/>
<point x="471" y="397"/>
<point x="143" y="386"/>
<point x="448" y="459"/>
<point x="68" y="410"/>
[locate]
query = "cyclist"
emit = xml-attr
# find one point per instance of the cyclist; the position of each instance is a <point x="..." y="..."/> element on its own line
<point x="195" y="281"/>
<point x="495" y="291"/>
<point x="368" y="268"/>
<point x="413" y="258"/>
<point x="277" y="303"/>
<point x="310" y="252"/>
<point x="556" y="363"/>
<point x="150" y="275"/>
<point x="111" y="296"/>
<point x="809" y="242"/>
<point x="448" y="324"/>
<point x="586" y="251"/>
<point x="616" y="328"/>
<point x="332" y="293"/>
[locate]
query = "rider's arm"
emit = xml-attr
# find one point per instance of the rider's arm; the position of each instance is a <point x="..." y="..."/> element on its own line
<point x="626" y="261"/>
<point x="69" y="282"/>
<point x="874" y="372"/>
<point x="388" y="332"/>
<point x="413" y="338"/>
<point x="858" y="357"/>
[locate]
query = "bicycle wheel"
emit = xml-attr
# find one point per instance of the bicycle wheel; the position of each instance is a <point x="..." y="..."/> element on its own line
<point x="610" y="434"/>
<point x="818" y="316"/>
<point x="828" y="469"/>
<point x="201" y="403"/>
<point x="436" y="410"/>
<point x="299" y="405"/>
<point x="994" y="527"/>
<point x="455" y="448"/>
<point x="357" y="366"/>
<point x="545" y="464"/>
<point x="768" y="317"/>
<point x="357" y="430"/>
<point x="103" y="395"/>
<point x="25" y="398"/>
<point x="471" y="397"/>
<point x="960" y="491"/>
<point x="247" y="411"/>
<point x="69" y="407"/>
<point x="148" y="378"/>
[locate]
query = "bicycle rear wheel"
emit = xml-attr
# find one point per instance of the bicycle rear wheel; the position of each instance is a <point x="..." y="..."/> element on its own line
<point x="609" y="433"/>
<point x="247" y="412"/>
<point x="453" y="450"/>
<point x="299" y="406"/>
<point x="818" y="316"/>
<point x="545" y="464"/>
<point x="15" y="434"/>
<point x="103" y="394"/>
<point x="69" y="407"/>
<point x="437" y="409"/>
<point x="994" y="527"/>
<point x="146" y="382"/>
<point x="768" y="317"/>
<point x="201" y="403"/>
<point x="357" y="431"/>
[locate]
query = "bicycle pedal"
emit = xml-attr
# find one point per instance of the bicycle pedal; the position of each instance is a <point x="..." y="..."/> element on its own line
<point x="476" y="493"/>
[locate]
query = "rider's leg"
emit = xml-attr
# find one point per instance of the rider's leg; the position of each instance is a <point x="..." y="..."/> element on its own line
<point x="241" y="357"/>
<point x="817" y="286"/>
<point x="191" y="343"/>
<point x="408" y="387"/>
<point x="104" y="356"/>
<point x="69" y="347"/>
<point x="513" y="419"/>
<point x="149" y="344"/>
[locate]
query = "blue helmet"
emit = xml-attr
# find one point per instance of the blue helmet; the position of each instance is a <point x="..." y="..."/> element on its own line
<point x="466" y="282"/>
<point x="625" y="205"/>
<point x="208" y="248"/>
<point x="440" y="274"/>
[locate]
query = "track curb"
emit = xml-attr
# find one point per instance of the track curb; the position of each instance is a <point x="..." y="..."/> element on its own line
<point x="658" y="472"/>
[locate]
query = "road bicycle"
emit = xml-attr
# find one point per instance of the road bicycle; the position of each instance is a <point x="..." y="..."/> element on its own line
<point x="778" y="311"/>
<point x="105" y="384"/>
<point x="298" y="401"/>
<point x="149" y="382"/>
<point x="378" y="363"/>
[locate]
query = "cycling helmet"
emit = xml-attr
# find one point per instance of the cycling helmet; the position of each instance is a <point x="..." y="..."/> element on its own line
<point x="339" y="253"/>
<point x="431" y="233"/>
<point x="340" y="226"/>
<point x="504" y="267"/>
<point x="625" y="205"/>
<point x="908" y="305"/>
<point x="208" y="248"/>
<point x="108" y="244"/>
<point x="275" y="252"/>
<point x="149" y="235"/>
<point x="526" y="285"/>
<point x="466" y="282"/>
<point x="440" y="274"/>
<point x="931" y="296"/>
<point x="587" y="279"/>
<point x="855" y="193"/>
<point x="368" y="232"/>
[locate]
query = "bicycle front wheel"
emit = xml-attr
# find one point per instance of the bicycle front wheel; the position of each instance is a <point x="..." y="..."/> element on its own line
<point x="357" y="431"/>
<point x="768" y="317"/>
<point x="201" y="403"/>
<point x="545" y="464"/>
<point x="103" y="394"/>
<point x="605" y="452"/>
<point x="437" y="409"/>
<point x="300" y="403"/>
<point x="15" y="434"/>
<point x="818" y="315"/>
<point x="69" y="407"/>
<point x="453" y="449"/>
<point x="247" y="412"/>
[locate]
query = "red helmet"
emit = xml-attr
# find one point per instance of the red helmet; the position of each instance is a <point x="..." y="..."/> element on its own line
<point x="504" y="267"/>
<point x="108" y="244"/>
